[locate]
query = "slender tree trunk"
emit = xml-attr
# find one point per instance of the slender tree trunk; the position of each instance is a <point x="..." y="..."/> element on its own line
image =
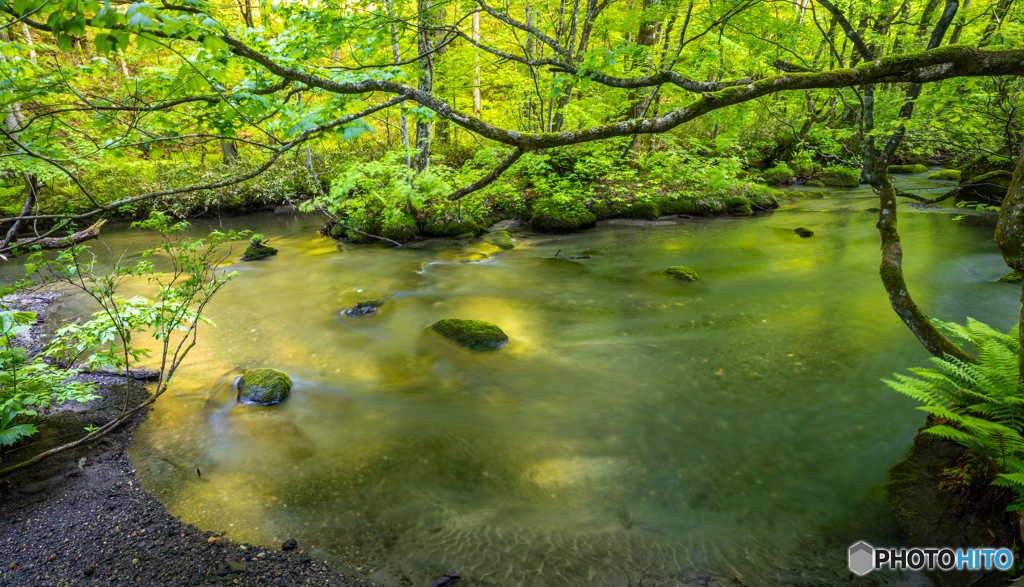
<point x="959" y="30"/>
<point x="229" y="151"/>
<point x="476" y="67"/>
<point x="397" y="57"/>
<point x="424" y="128"/>
<point x="1010" y="236"/>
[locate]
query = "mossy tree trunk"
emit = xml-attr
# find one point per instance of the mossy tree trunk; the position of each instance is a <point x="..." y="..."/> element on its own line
<point x="1010" y="235"/>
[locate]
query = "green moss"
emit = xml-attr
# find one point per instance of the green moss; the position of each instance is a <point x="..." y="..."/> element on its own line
<point x="983" y="164"/>
<point x="737" y="205"/>
<point x="501" y="239"/>
<point x="946" y="174"/>
<point x="552" y="216"/>
<point x="810" y="194"/>
<point x="1012" y="277"/>
<point x="440" y="228"/>
<point x="681" y="273"/>
<point x="264" y="386"/>
<point x="475" y="334"/>
<point x="601" y="210"/>
<point x="257" y="251"/>
<point x="644" y="209"/>
<point x="815" y="183"/>
<point x="779" y="174"/>
<point x="916" y="168"/>
<point x="846" y="177"/>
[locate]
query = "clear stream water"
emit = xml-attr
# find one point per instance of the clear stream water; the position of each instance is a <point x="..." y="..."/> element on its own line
<point x="633" y="426"/>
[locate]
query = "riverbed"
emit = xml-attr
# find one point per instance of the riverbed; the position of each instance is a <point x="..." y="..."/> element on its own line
<point x="634" y="425"/>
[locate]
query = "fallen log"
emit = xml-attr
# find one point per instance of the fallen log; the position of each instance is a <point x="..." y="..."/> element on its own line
<point x="60" y="242"/>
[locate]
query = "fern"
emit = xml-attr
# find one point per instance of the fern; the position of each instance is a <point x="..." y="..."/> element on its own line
<point x="980" y="406"/>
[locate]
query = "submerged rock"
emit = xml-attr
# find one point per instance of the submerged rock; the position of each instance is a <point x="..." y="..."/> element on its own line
<point x="258" y="251"/>
<point x="264" y="386"/>
<point x="438" y="244"/>
<point x="501" y="239"/>
<point x="475" y="334"/>
<point x="810" y="194"/>
<point x="815" y="183"/>
<point x="1012" y="277"/>
<point x="364" y="307"/>
<point x="803" y="232"/>
<point x="681" y="273"/>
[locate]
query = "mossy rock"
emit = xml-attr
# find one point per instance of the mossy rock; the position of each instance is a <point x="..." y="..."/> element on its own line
<point x="803" y="232"/>
<point x="815" y="183"/>
<point x="983" y="164"/>
<point x="644" y="209"/>
<point x="987" y="188"/>
<point x="1012" y="277"/>
<point x="475" y="334"/>
<point x="845" y="177"/>
<point x="550" y="216"/>
<point x="264" y="386"/>
<point x="779" y="174"/>
<point x="902" y="169"/>
<point x="258" y="251"/>
<point x="364" y="307"/>
<point x="601" y="210"/>
<point x="455" y="229"/>
<point x="501" y="239"/>
<point x="737" y="205"/>
<point x="681" y="273"/>
<point x="946" y="174"/>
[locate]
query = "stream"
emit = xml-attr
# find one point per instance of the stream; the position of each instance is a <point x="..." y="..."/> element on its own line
<point x="734" y="428"/>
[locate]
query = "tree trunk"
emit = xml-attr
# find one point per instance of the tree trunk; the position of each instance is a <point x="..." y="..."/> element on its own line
<point x="959" y="30"/>
<point x="1010" y="235"/>
<point x="229" y="152"/>
<point x="424" y="128"/>
<point x="476" y="67"/>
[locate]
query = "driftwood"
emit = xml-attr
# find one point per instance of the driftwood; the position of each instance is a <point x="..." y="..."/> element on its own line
<point x="61" y="242"/>
<point x="138" y="374"/>
<point x="580" y="257"/>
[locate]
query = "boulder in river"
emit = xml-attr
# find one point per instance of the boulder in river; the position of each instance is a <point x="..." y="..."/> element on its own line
<point x="364" y="307"/>
<point x="475" y="334"/>
<point x="264" y="386"/>
<point x="552" y="216"/>
<point x="803" y="232"/>
<point x="257" y="250"/>
<point x="501" y="239"/>
<point x="815" y="183"/>
<point x="916" y="168"/>
<point x="836" y="176"/>
<point x="681" y="273"/>
<point x="946" y="174"/>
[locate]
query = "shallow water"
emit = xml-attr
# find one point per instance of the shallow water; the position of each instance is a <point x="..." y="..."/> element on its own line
<point x="634" y="425"/>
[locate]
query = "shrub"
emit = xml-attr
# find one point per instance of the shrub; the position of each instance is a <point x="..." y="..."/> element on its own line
<point x="779" y="174"/>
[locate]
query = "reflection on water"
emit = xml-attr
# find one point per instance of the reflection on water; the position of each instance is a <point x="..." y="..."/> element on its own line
<point x="633" y="425"/>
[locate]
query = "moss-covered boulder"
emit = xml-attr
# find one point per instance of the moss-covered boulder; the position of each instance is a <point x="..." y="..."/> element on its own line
<point x="456" y="229"/>
<point x="264" y="386"/>
<point x="643" y="209"/>
<point x="983" y="164"/>
<point x="500" y="238"/>
<point x="946" y="174"/>
<point x="845" y="177"/>
<point x="681" y="273"/>
<point x="475" y="334"/>
<point x="815" y="183"/>
<point x="809" y="194"/>
<point x="601" y="210"/>
<point x="737" y="205"/>
<point x="552" y="216"/>
<point x="779" y="174"/>
<point x="364" y="307"/>
<point x="1012" y="277"/>
<point x="258" y="251"/>
<point x="903" y="169"/>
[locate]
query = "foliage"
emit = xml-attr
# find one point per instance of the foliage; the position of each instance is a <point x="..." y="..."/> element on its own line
<point x="980" y="406"/>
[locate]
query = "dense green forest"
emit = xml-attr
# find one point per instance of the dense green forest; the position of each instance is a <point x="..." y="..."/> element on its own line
<point x="397" y="122"/>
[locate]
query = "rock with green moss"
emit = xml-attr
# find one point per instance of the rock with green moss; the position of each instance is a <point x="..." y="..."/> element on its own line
<point x="809" y="194"/>
<point x="552" y="216"/>
<point x="453" y="229"/>
<point x="264" y="386"/>
<point x="1012" y="277"/>
<point x="643" y="209"/>
<point x="601" y="210"/>
<point x="258" y="251"/>
<point x="904" y="169"/>
<point x="983" y="164"/>
<point x="681" y="273"/>
<point x="364" y="307"/>
<point x="946" y="174"/>
<point x="501" y="239"/>
<point x="737" y="205"/>
<point x="846" y="177"/>
<point x="779" y="174"/>
<point x="475" y="334"/>
<point x="815" y="183"/>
